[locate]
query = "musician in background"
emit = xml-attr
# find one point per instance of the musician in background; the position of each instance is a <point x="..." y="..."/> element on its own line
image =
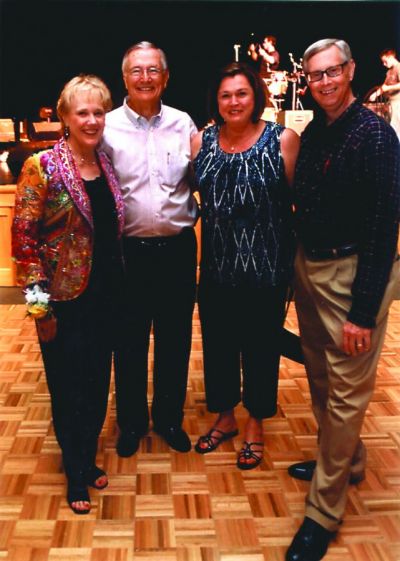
<point x="266" y="54"/>
<point x="391" y="87"/>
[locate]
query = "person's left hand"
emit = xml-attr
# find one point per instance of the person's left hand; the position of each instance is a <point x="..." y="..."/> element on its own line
<point x="356" y="339"/>
<point x="47" y="328"/>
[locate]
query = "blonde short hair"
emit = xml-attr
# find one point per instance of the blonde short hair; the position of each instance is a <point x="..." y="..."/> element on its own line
<point x="82" y="83"/>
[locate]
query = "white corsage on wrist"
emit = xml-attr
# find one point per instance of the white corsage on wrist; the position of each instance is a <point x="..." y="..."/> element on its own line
<point x="37" y="302"/>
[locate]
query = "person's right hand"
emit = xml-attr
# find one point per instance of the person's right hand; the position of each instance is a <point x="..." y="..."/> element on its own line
<point x="374" y="96"/>
<point x="46" y="328"/>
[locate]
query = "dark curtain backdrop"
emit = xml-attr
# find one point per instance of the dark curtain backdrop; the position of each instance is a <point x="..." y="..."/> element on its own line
<point x="45" y="43"/>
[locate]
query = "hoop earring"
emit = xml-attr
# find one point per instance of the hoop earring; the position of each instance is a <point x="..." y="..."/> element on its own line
<point x="66" y="132"/>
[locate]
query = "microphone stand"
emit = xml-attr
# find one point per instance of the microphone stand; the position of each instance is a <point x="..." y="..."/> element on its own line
<point x="297" y="68"/>
<point x="236" y="49"/>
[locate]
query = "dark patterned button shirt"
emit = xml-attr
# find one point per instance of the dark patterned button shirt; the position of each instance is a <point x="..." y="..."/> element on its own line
<point x="247" y="230"/>
<point x="347" y="190"/>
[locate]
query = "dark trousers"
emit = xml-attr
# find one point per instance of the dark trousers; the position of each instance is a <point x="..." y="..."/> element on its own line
<point x="77" y="365"/>
<point x="241" y="327"/>
<point x="160" y="290"/>
<point x="291" y="346"/>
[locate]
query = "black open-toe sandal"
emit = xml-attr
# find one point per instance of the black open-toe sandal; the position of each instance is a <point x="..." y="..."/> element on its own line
<point x="77" y="493"/>
<point x="213" y="441"/>
<point x="92" y="475"/>
<point x="246" y="453"/>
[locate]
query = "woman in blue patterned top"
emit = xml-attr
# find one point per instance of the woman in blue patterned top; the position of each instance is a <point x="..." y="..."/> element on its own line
<point x="243" y="167"/>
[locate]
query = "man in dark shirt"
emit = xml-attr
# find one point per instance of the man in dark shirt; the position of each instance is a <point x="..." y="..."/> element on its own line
<point x="347" y="194"/>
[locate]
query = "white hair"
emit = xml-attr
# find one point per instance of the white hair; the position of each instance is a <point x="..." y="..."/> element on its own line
<point x="324" y="44"/>
<point x="144" y="46"/>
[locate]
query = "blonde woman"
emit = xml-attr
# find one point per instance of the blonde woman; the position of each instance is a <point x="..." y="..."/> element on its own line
<point x="66" y="243"/>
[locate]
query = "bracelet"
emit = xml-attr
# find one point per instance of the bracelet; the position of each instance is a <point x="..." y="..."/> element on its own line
<point x="37" y="302"/>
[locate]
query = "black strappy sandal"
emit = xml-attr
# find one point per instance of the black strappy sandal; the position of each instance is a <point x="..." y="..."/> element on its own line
<point x="212" y="441"/>
<point x="246" y="453"/>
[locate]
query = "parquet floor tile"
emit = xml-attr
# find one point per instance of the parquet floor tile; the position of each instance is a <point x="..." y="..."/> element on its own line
<point x="161" y="505"/>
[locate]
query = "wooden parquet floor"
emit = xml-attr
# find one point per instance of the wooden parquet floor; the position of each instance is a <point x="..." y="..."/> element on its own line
<point x="161" y="505"/>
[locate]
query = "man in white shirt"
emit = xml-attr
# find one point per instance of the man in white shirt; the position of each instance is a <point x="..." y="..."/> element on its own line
<point x="149" y="144"/>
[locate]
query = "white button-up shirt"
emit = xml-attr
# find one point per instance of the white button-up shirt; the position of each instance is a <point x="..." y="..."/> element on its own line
<point x="151" y="159"/>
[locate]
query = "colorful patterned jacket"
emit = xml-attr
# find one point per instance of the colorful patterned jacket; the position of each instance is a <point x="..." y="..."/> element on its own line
<point x="52" y="232"/>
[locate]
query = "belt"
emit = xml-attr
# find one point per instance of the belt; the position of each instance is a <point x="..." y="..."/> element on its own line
<point x="156" y="241"/>
<point x="331" y="253"/>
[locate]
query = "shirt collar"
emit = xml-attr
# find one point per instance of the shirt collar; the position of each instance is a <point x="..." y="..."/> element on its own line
<point x="320" y="117"/>
<point x="138" y="120"/>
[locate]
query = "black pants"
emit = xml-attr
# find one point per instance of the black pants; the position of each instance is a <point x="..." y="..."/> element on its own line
<point x="241" y="327"/>
<point x="291" y="346"/>
<point x="160" y="293"/>
<point x="77" y="365"/>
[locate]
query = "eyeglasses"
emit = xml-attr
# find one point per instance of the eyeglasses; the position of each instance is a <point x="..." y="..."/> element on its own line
<point x="138" y="71"/>
<point x="332" y="72"/>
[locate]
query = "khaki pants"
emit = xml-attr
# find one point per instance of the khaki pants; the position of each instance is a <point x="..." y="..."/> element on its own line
<point x="341" y="386"/>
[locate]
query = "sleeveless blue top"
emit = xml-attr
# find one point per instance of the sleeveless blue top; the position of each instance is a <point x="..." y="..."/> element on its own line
<point x="247" y="231"/>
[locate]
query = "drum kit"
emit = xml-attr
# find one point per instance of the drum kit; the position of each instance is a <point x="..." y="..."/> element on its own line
<point x="277" y="84"/>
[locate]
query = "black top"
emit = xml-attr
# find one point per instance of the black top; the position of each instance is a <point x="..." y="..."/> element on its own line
<point x="347" y="190"/>
<point x="247" y="230"/>
<point x="106" y="266"/>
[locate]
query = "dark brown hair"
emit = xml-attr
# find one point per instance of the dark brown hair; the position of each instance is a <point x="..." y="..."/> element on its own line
<point x="256" y="84"/>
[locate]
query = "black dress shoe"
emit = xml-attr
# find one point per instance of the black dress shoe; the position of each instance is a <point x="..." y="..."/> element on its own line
<point x="305" y="472"/>
<point x="310" y="543"/>
<point x="302" y="470"/>
<point x="175" y="437"/>
<point x="128" y="443"/>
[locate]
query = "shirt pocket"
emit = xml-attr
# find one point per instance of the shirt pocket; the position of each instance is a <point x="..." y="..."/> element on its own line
<point x="174" y="164"/>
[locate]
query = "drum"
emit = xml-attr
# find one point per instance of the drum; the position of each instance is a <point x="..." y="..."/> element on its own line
<point x="381" y="108"/>
<point x="278" y="83"/>
<point x="269" y="114"/>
